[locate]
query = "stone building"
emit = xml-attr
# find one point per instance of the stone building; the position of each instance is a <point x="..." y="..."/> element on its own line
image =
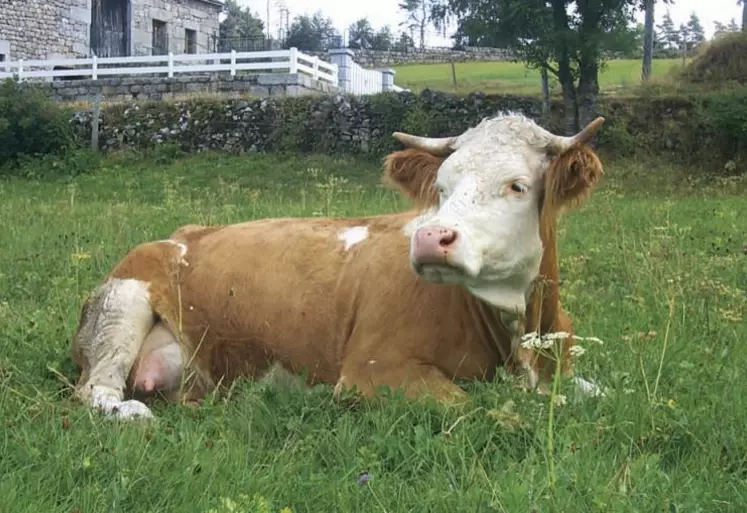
<point x="42" y="29"/>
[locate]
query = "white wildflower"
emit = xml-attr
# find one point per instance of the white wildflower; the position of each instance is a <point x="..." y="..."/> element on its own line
<point x="576" y="351"/>
<point x="560" y="400"/>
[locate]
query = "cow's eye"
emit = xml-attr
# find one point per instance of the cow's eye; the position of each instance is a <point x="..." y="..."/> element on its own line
<point x="518" y="188"/>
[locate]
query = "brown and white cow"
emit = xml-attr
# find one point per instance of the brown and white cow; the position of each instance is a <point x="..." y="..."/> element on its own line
<point x="414" y="300"/>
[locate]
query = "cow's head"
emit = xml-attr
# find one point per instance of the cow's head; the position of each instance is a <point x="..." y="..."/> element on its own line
<point x="487" y="194"/>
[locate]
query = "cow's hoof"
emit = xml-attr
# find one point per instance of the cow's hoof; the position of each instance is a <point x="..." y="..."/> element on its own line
<point x="131" y="410"/>
<point x="108" y="401"/>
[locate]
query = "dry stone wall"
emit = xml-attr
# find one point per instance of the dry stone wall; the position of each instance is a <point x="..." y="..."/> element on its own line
<point x="382" y="59"/>
<point x="118" y="89"/>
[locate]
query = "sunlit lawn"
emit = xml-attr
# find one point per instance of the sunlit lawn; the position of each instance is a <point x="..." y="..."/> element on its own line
<point x="651" y="265"/>
<point x="515" y="78"/>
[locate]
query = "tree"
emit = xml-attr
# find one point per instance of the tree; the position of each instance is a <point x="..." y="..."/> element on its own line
<point x="361" y="34"/>
<point x="404" y="42"/>
<point x="695" y="32"/>
<point x="733" y="27"/>
<point x="240" y="30"/>
<point x="648" y="41"/>
<point x="744" y="14"/>
<point x="383" y="39"/>
<point x="311" y="33"/>
<point x="570" y="43"/>
<point x="419" y="16"/>
<point x="668" y="33"/>
<point x="719" y="29"/>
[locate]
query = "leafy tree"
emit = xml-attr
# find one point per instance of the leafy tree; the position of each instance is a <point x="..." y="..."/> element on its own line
<point x="668" y="33"/>
<point x="568" y="38"/>
<point x="733" y="27"/>
<point x="695" y="32"/>
<point x="383" y="39"/>
<point x="361" y="34"/>
<point x="311" y="33"/>
<point x="404" y="42"/>
<point x="419" y="16"/>
<point x="240" y="30"/>
<point x="719" y="28"/>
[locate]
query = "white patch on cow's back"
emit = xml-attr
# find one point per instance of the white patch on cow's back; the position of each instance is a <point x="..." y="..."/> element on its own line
<point x="352" y="236"/>
<point x="182" y="250"/>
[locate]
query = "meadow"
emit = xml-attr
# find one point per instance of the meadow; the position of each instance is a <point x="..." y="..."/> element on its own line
<point x="618" y="76"/>
<point x="653" y="264"/>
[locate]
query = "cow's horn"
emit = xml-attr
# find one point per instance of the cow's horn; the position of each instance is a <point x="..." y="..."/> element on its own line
<point x="559" y="144"/>
<point x="436" y="146"/>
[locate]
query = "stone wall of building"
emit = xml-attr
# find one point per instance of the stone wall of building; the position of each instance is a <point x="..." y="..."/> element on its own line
<point x="179" y="15"/>
<point x="119" y="89"/>
<point x="382" y="59"/>
<point x="40" y="29"/>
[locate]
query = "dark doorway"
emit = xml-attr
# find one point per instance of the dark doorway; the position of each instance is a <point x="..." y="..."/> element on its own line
<point x="110" y="34"/>
<point x="160" y="38"/>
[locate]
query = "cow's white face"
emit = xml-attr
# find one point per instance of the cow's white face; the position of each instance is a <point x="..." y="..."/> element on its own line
<point x="485" y="231"/>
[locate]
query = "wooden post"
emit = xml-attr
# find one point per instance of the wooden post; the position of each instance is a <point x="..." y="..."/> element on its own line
<point x="95" y="122"/>
<point x="453" y="74"/>
<point x="545" y="91"/>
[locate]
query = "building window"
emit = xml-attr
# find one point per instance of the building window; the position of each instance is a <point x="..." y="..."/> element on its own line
<point x="160" y="38"/>
<point x="190" y="41"/>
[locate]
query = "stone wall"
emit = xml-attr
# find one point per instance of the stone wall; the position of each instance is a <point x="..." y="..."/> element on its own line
<point x="40" y="29"/>
<point x="118" y="89"/>
<point x="378" y="59"/>
<point x="179" y="15"/>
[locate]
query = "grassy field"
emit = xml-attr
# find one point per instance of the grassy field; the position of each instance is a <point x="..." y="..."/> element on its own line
<point x="515" y="78"/>
<point x="654" y="265"/>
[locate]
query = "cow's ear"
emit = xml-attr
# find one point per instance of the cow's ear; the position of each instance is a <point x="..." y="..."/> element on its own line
<point x="571" y="177"/>
<point x="413" y="172"/>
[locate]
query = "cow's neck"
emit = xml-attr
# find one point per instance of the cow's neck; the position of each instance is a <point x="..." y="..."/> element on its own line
<point x="498" y="328"/>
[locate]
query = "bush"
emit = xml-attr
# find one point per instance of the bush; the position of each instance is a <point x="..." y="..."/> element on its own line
<point x="721" y="61"/>
<point x="31" y="125"/>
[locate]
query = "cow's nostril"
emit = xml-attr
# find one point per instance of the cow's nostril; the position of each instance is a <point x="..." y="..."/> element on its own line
<point x="448" y="237"/>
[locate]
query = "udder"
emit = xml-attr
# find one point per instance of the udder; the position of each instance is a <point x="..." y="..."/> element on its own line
<point x="160" y="364"/>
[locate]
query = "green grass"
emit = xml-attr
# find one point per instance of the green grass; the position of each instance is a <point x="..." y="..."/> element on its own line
<point x="515" y="78"/>
<point x="653" y="265"/>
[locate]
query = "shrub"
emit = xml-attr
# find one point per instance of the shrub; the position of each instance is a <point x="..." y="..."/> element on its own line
<point x="721" y="61"/>
<point x="31" y="125"/>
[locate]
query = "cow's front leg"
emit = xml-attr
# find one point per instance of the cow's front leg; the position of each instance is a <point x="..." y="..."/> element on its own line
<point x="418" y="380"/>
<point x="114" y="323"/>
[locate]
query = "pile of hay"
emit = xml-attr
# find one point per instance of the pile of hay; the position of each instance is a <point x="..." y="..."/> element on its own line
<point x="721" y="61"/>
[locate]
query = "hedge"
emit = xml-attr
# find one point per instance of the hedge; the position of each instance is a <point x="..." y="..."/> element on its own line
<point x="708" y="129"/>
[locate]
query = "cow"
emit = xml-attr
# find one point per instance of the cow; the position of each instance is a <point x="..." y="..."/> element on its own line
<point x="415" y="301"/>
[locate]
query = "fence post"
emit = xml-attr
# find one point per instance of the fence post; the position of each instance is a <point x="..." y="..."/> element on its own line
<point x="293" y="60"/>
<point x="387" y="79"/>
<point x="95" y="68"/>
<point x="233" y="63"/>
<point x="316" y="67"/>
<point x="171" y="64"/>
<point x="95" y="122"/>
<point x="343" y="58"/>
<point x="20" y="70"/>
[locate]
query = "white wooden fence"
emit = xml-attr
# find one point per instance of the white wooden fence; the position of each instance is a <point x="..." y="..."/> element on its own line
<point x="290" y="61"/>
<point x="354" y="80"/>
<point x="365" y="81"/>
